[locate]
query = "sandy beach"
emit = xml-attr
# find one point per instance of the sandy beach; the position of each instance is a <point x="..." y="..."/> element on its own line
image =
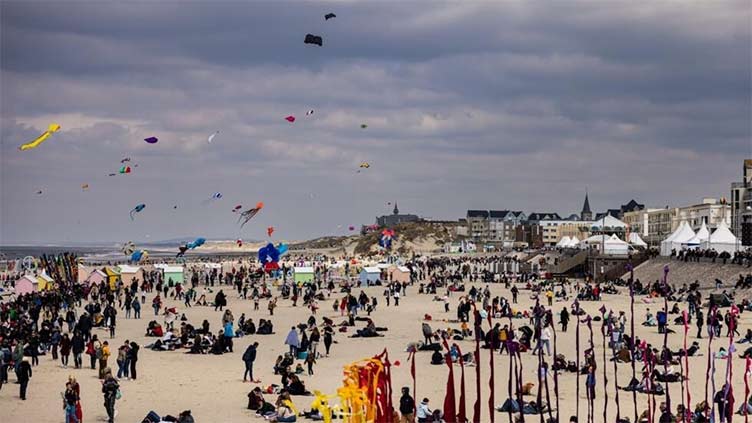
<point x="211" y="386"/>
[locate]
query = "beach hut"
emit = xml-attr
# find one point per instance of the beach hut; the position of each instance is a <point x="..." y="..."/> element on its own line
<point x="94" y="277"/>
<point x="369" y="275"/>
<point x="399" y="274"/>
<point x="113" y="277"/>
<point x="26" y="285"/>
<point x="173" y="272"/>
<point x="45" y="282"/>
<point x="128" y="273"/>
<point x="303" y="274"/>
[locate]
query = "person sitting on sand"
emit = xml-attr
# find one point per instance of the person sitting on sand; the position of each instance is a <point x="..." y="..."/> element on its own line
<point x="649" y="319"/>
<point x="297" y="387"/>
<point x="437" y="358"/>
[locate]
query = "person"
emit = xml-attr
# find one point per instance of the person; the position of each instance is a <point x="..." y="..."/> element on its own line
<point x="77" y="346"/>
<point x="70" y="398"/>
<point x="94" y="348"/>
<point x="105" y="355"/>
<point x="122" y="360"/>
<point x="424" y="413"/>
<point x="550" y="297"/>
<point x="292" y="341"/>
<point x="700" y="321"/>
<point x="564" y="319"/>
<point x="110" y="389"/>
<point x="113" y="313"/>
<point x="133" y="358"/>
<point x="328" y="338"/>
<point x="23" y="374"/>
<point x="249" y="356"/>
<point x="65" y="350"/>
<point x="136" y="309"/>
<point x="284" y="411"/>
<point x="407" y="406"/>
<point x="515" y="292"/>
<point x="310" y="361"/>
<point x="229" y="333"/>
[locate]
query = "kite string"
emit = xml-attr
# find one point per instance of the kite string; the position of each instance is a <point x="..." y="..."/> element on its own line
<point x="577" y="359"/>
<point x="605" y="365"/>
<point x="632" y="336"/>
<point x="688" y="403"/>
<point x="556" y="374"/>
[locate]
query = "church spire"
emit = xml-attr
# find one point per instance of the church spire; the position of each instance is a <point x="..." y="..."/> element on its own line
<point x="586" y="214"/>
<point x="396" y="210"/>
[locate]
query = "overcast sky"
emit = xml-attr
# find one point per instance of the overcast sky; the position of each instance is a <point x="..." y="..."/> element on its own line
<point x="504" y="105"/>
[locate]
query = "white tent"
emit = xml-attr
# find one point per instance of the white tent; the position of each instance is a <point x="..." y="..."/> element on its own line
<point x="701" y="236"/>
<point x="615" y="246"/>
<point x="681" y="235"/>
<point x="574" y="241"/>
<point x="563" y="242"/>
<point x="634" y="239"/>
<point x="721" y="240"/>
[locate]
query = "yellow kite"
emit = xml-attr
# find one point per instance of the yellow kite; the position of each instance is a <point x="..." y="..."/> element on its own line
<point x="54" y="127"/>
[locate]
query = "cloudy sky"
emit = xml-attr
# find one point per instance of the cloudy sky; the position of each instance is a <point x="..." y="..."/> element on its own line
<point x="519" y="105"/>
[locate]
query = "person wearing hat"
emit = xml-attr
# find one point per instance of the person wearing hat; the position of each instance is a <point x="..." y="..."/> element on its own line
<point x="424" y="413"/>
<point x="407" y="406"/>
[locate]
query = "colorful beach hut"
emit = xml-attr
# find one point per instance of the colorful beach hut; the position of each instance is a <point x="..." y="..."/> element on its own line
<point x="303" y="274"/>
<point x="128" y="273"/>
<point x="45" y="282"/>
<point x="113" y="277"/>
<point x="174" y="273"/>
<point x="399" y="274"/>
<point x="26" y="285"/>
<point x="369" y="275"/>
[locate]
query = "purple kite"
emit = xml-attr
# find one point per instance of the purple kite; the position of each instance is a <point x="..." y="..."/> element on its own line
<point x="151" y="140"/>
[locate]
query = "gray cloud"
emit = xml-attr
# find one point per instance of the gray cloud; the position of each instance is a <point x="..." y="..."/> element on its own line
<point x="509" y="105"/>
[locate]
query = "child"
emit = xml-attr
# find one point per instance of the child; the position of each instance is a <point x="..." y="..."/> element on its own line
<point x="310" y="360"/>
<point x="299" y="368"/>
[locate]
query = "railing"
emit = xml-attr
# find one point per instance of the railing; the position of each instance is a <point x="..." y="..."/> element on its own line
<point x="569" y="262"/>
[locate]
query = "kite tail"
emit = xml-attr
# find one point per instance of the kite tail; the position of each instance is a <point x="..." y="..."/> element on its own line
<point x="747" y="370"/>
<point x="665" y="333"/>
<point x="412" y="373"/>
<point x="632" y="335"/>
<point x="462" y="412"/>
<point x="511" y="376"/>
<point x="556" y="375"/>
<point x="539" y="395"/>
<point x="518" y="365"/>
<point x="730" y="365"/>
<point x="577" y="358"/>
<point x="713" y="312"/>
<point x="450" y="414"/>
<point x="491" y="377"/>
<point x="588" y="390"/>
<point x="605" y="365"/>
<point x="476" y="405"/>
<point x="688" y="402"/>
<point x="712" y="382"/>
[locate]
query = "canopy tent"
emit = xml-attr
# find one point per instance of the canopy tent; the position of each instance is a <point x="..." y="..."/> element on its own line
<point x="634" y="239"/>
<point x="614" y="246"/>
<point x="574" y="241"/>
<point x="722" y="240"/>
<point x="701" y="236"/>
<point x="564" y="242"/>
<point x="681" y="235"/>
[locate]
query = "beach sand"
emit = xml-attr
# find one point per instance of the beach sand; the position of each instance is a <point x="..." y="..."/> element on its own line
<point x="212" y="388"/>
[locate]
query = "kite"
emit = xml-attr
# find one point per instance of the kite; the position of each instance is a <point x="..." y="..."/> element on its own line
<point x="248" y="214"/>
<point x="137" y="209"/>
<point x="352" y="228"/>
<point x="269" y="257"/>
<point x="363" y="126"/>
<point x="211" y="137"/>
<point x="364" y="165"/>
<point x="125" y="169"/>
<point x="236" y="208"/>
<point x="85" y="187"/>
<point x="290" y="118"/>
<point x="214" y="197"/>
<point x="386" y="238"/>
<point x="139" y="255"/>
<point x="54" y="127"/>
<point x="270" y="230"/>
<point x="127" y="159"/>
<point x="128" y="248"/>
<point x="39" y="192"/>
<point x="195" y="244"/>
<point x="329" y="16"/>
<point x="240" y="242"/>
<point x="181" y="251"/>
<point x="112" y="174"/>
<point x="309" y="113"/>
<point x="151" y="140"/>
<point x="314" y="39"/>
<point x="175" y="207"/>
<point x="282" y="248"/>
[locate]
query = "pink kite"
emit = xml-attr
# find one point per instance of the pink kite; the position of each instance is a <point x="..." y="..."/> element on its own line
<point x="290" y="118"/>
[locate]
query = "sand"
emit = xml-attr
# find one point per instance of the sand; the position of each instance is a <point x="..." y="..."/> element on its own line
<point x="212" y="388"/>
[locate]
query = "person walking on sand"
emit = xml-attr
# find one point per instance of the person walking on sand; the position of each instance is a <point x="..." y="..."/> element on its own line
<point x="77" y="346"/>
<point x="70" y="399"/>
<point x="249" y="356"/>
<point x="105" y="355"/>
<point x="23" y="374"/>
<point x="132" y="359"/>
<point x="110" y="388"/>
<point x="293" y="341"/>
<point x="406" y="406"/>
<point x="65" y="350"/>
<point x="328" y="338"/>
<point x="310" y="361"/>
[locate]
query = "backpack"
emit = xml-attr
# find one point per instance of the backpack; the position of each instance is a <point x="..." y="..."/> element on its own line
<point x="98" y="352"/>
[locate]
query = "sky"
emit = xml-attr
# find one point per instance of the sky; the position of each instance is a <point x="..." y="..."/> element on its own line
<point x="468" y="105"/>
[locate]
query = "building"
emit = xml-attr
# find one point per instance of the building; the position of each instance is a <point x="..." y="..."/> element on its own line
<point x="654" y="225"/>
<point x="477" y="224"/>
<point x="586" y="214"/>
<point x="501" y="224"/>
<point x="395" y="218"/>
<point x="369" y="276"/>
<point x="741" y="205"/>
<point x="630" y="207"/>
<point x="529" y="235"/>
